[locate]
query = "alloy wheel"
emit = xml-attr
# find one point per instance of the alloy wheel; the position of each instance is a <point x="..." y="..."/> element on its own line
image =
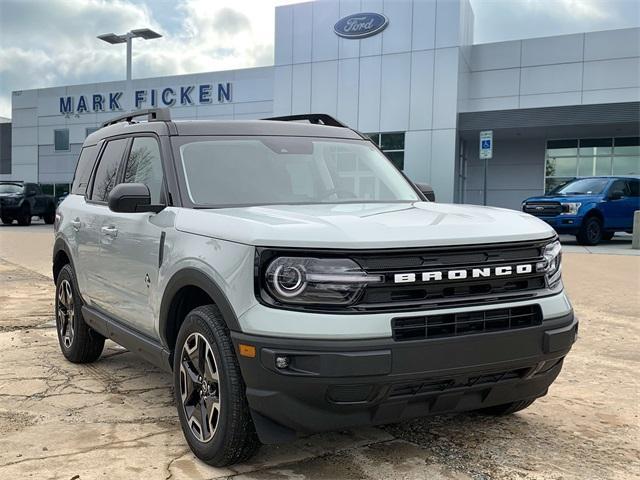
<point x="200" y="387"/>
<point x="66" y="313"/>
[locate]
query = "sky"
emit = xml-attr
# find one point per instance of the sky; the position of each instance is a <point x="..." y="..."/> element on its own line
<point x="45" y="43"/>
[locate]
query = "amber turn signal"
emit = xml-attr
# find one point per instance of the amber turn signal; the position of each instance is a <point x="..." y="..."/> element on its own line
<point x="247" y="350"/>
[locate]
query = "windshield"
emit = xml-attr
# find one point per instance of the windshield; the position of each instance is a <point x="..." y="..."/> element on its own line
<point x="289" y="170"/>
<point x="10" y="188"/>
<point x="584" y="186"/>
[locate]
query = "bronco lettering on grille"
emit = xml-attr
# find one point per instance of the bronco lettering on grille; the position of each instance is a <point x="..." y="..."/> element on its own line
<point x="464" y="273"/>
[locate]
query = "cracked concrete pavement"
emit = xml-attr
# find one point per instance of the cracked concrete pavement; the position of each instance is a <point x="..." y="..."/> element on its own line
<point x="116" y="419"/>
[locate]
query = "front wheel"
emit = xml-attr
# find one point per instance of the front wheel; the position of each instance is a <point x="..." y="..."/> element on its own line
<point x="24" y="218"/>
<point x="7" y="220"/>
<point x="210" y="392"/>
<point x="590" y="231"/>
<point x="50" y="216"/>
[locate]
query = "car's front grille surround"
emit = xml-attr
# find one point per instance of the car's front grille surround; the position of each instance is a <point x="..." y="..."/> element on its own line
<point x="426" y="327"/>
<point x="542" y="209"/>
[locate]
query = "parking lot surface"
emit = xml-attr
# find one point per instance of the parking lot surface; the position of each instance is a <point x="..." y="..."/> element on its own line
<point x="116" y="419"/>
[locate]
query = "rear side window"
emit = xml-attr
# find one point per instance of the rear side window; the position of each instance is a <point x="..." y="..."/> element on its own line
<point x="634" y="188"/>
<point x="144" y="166"/>
<point x="83" y="170"/>
<point x="106" y="176"/>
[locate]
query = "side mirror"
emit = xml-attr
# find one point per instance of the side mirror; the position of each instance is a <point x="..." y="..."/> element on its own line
<point x="616" y="195"/>
<point x="426" y="190"/>
<point x="132" y="198"/>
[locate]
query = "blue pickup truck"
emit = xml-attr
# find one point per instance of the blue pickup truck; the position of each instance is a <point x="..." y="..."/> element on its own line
<point x="593" y="209"/>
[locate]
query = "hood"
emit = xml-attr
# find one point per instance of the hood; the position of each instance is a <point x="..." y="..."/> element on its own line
<point x="358" y="226"/>
<point x="565" y="198"/>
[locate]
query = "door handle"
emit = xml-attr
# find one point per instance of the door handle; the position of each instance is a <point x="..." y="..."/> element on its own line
<point x="76" y="224"/>
<point x="110" y="231"/>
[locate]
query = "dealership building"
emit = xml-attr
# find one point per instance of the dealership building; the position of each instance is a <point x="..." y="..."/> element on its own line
<point x="408" y="74"/>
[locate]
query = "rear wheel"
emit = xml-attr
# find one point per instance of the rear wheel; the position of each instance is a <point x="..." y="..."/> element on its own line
<point x="507" y="408"/>
<point x="24" y="218"/>
<point x="210" y="392"/>
<point x="7" y="220"/>
<point x="590" y="232"/>
<point x="78" y="342"/>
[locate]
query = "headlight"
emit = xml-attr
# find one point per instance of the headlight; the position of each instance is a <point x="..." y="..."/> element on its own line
<point x="551" y="263"/>
<point x="320" y="281"/>
<point x="570" y="208"/>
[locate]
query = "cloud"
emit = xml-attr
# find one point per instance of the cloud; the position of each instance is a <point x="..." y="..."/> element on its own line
<point x="45" y="43"/>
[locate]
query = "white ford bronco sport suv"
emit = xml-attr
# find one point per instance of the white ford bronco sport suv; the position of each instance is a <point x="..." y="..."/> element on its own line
<point x="294" y="281"/>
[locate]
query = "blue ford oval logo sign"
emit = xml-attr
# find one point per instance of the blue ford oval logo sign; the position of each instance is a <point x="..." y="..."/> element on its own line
<point x="360" y="25"/>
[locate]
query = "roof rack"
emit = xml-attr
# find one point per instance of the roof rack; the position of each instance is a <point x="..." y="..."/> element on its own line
<point x="314" y="118"/>
<point x="153" y="115"/>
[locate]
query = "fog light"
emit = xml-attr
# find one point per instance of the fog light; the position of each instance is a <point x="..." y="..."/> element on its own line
<point x="282" y="361"/>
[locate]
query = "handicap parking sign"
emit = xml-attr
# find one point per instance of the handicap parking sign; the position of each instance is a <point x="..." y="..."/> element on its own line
<point x="486" y="144"/>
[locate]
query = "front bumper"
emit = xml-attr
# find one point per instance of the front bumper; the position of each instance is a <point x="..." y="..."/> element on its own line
<point x="10" y="210"/>
<point x="567" y="224"/>
<point x="334" y="384"/>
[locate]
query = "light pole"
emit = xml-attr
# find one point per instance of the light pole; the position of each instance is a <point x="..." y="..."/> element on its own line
<point x="127" y="38"/>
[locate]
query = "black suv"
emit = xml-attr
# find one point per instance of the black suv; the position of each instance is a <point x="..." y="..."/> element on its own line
<point x="22" y="200"/>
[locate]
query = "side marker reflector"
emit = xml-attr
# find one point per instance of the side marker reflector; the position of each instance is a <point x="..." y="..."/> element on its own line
<point x="247" y="350"/>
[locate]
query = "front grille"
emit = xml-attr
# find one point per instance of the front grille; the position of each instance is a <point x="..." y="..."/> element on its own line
<point x="543" y="209"/>
<point x="426" y="387"/>
<point x="465" y="323"/>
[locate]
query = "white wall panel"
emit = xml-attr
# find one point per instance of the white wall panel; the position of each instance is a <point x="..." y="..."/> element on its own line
<point x="369" y="99"/>
<point x="612" y="44"/>
<point x="417" y="155"/>
<point x="492" y="56"/>
<point x="348" y="91"/>
<point x="550" y="50"/>
<point x="251" y="107"/>
<point x="211" y="110"/>
<point x="24" y="117"/>
<point x="24" y="98"/>
<point x="395" y="87"/>
<point x="622" y="73"/>
<point x="421" y="106"/>
<point x="447" y="23"/>
<point x="282" y="90"/>
<point x="348" y="48"/>
<point x="23" y="155"/>
<point x="371" y="45"/>
<point x="443" y="155"/>
<point x="494" y="83"/>
<point x="301" y="88"/>
<point x="397" y="36"/>
<point x="324" y="87"/>
<point x="302" y="30"/>
<point x="24" y="136"/>
<point x="325" y="42"/>
<point x="550" y="99"/>
<point x="445" y="88"/>
<point x="565" y="77"/>
<point x="25" y="172"/>
<point x="424" y="24"/>
<point x="611" y="96"/>
<point x="490" y="103"/>
<point x="283" y="46"/>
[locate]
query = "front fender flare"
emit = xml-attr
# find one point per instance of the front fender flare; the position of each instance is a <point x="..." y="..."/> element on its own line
<point x="196" y="278"/>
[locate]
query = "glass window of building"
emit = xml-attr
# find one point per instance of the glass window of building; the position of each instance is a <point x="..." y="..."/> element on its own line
<point x="392" y="144"/>
<point x="61" y="139"/>
<point x="588" y="157"/>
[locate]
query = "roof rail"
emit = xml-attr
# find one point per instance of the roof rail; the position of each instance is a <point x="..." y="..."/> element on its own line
<point x="314" y="118"/>
<point x="153" y="115"/>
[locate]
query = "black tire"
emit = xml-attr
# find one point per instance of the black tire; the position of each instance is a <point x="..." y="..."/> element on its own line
<point x="24" y="218"/>
<point x="608" y="235"/>
<point x="79" y="342"/>
<point x="50" y="216"/>
<point x="233" y="438"/>
<point x="507" y="408"/>
<point x="590" y="231"/>
<point x="7" y="220"/>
